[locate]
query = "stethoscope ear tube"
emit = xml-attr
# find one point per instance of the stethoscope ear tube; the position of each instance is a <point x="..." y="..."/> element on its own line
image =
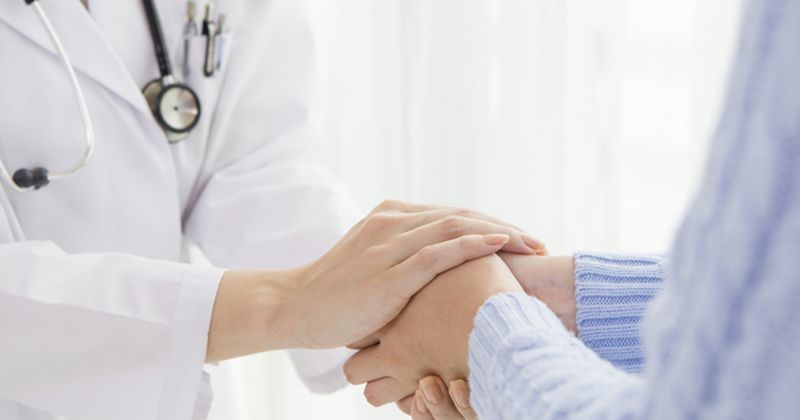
<point x="175" y="105"/>
<point x="25" y="179"/>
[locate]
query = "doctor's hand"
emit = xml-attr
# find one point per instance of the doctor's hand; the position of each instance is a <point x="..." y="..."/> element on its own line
<point x="430" y="336"/>
<point x="358" y="286"/>
<point x="370" y="275"/>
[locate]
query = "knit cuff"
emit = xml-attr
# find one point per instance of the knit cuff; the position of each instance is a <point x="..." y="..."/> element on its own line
<point x="497" y="321"/>
<point x="612" y="294"/>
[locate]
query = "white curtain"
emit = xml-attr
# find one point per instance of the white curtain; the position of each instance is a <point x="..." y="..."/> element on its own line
<point x="583" y="121"/>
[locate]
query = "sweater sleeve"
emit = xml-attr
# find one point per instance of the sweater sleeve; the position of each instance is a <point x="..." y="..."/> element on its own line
<point x="525" y="364"/>
<point x="612" y="293"/>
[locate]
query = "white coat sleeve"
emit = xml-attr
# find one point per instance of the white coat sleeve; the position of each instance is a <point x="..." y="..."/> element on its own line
<point x="102" y="336"/>
<point x="263" y="199"/>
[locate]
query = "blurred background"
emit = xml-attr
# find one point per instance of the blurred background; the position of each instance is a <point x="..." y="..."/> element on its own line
<point x="585" y="122"/>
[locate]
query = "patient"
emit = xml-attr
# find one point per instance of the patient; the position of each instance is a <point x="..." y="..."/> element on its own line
<point x="722" y="338"/>
<point x="432" y="334"/>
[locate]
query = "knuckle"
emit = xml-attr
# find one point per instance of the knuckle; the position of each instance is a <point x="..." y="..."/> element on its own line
<point x="454" y="225"/>
<point x="465" y="213"/>
<point x="375" y="253"/>
<point x="390" y="204"/>
<point x="378" y="221"/>
<point x="466" y="243"/>
<point x="427" y="257"/>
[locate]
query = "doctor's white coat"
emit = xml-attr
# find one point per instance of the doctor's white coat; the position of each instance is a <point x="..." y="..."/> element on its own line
<point x="99" y="319"/>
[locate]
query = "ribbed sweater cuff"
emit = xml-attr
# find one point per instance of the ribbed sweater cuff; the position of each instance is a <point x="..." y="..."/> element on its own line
<point x="497" y="322"/>
<point x="612" y="294"/>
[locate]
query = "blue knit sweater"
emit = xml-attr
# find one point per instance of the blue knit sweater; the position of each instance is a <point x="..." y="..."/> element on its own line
<point x="723" y="338"/>
<point x="612" y="294"/>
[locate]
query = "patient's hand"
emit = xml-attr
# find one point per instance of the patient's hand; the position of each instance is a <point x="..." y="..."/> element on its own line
<point x="550" y="279"/>
<point x="430" y="336"/>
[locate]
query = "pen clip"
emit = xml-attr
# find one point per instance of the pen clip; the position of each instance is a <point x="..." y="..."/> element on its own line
<point x="191" y="24"/>
<point x="189" y="30"/>
<point x="210" y="31"/>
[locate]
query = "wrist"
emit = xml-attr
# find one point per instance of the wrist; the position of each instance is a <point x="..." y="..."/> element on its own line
<point x="550" y="279"/>
<point x="558" y="287"/>
<point x="250" y="314"/>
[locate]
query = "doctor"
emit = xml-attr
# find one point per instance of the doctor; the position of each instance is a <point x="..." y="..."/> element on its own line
<point x="99" y="317"/>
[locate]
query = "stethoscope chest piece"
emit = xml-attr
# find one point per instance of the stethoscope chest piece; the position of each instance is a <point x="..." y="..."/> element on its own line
<point x="175" y="106"/>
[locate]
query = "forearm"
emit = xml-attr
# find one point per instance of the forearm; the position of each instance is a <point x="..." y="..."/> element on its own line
<point x="525" y="364"/>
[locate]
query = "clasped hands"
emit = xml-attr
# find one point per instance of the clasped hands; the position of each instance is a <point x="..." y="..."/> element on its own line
<point x="383" y="280"/>
<point x="419" y="360"/>
<point x="359" y="285"/>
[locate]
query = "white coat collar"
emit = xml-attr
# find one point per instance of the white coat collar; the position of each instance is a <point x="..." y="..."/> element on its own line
<point x="90" y="52"/>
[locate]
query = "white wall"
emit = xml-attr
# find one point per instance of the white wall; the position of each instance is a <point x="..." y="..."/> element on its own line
<point x="583" y="121"/>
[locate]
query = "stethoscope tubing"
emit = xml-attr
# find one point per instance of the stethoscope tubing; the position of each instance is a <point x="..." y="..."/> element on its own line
<point x="157" y="35"/>
<point x="80" y="99"/>
<point x="34" y="178"/>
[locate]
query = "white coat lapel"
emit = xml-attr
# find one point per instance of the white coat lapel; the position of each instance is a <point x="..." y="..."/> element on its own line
<point x="90" y="52"/>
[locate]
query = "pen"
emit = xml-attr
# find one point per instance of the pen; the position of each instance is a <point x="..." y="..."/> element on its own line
<point x="189" y="31"/>
<point x="222" y="42"/>
<point x="210" y="32"/>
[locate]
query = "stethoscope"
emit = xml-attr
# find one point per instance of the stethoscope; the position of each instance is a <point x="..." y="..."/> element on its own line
<point x="175" y="106"/>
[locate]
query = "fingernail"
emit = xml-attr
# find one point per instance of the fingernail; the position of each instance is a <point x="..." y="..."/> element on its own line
<point x="420" y="403"/>
<point x="532" y="242"/>
<point x="431" y="391"/>
<point x="496" y="239"/>
<point x="459" y="393"/>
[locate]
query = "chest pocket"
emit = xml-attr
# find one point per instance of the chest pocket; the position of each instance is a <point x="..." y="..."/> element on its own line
<point x="190" y="67"/>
